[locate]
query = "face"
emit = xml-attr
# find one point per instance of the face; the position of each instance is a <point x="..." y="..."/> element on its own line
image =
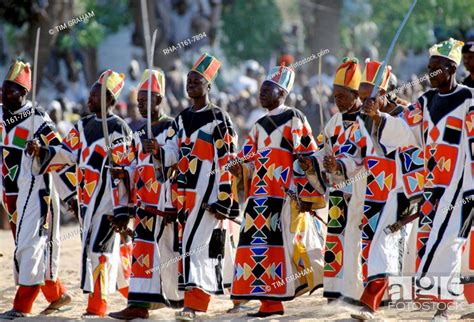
<point x="270" y="95"/>
<point x="13" y="95"/>
<point x="440" y="70"/>
<point x="344" y="98"/>
<point x="94" y="101"/>
<point x="142" y="99"/>
<point x="365" y="90"/>
<point x="196" y="85"/>
<point x="468" y="60"/>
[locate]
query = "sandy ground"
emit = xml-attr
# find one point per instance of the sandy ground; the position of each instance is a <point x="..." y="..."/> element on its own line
<point x="305" y="308"/>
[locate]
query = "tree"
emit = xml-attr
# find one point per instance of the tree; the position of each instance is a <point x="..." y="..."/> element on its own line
<point x="250" y="30"/>
<point x="431" y="21"/>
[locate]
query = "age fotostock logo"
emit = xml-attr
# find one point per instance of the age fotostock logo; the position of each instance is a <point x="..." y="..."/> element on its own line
<point x="409" y="292"/>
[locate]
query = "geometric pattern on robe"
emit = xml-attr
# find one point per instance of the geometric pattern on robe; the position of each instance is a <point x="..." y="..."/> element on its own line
<point x="394" y="184"/>
<point x="443" y="125"/>
<point x="154" y="279"/>
<point x="200" y="143"/>
<point x="31" y="201"/>
<point x="342" y="269"/>
<point x="99" y="196"/>
<point x="279" y="255"/>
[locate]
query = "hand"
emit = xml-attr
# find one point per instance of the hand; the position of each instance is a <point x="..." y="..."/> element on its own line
<point x="33" y="148"/>
<point x="305" y="163"/>
<point x="119" y="224"/>
<point x="370" y="107"/>
<point x="151" y="146"/>
<point x="118" y="173"/>
<point x="212" y="210"/>
<point x="330" y="164"/>
<point x="170" y="218"/>
<point x="73" y="207"/>
<point x="235" y="168"/>
<point x="305" y="206"/>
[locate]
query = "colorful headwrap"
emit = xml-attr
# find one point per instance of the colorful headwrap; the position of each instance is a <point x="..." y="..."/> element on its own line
<point x="283" y="76"/>
<point x="372" y="68"/>
<point x="115" y="82"/>
<point x="348" y="74"/>
<point x="207" y="66"/>
<point x="468" y="47"/>
<point x="450" y="49"/>
<point x="157" y="81"/>
<point x="20" y="73"/>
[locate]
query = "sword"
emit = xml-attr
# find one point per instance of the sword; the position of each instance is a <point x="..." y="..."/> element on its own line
<point x="320" y="93"/>
<point x="33" y="92"/>
<point x="393" y="228"/>
<point x="238" y="222"/>
<point x="378" y="77"/>
<point x="150" y="53"/>
<point x="150" y="66"/>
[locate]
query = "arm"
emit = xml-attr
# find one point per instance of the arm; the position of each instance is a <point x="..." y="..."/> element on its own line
<point x="169" y="154"/>
<point x="54" y="155"/>
<point x="304" y="145"/>
<point x="404" y="130"/>
<point x="122" y="155"/>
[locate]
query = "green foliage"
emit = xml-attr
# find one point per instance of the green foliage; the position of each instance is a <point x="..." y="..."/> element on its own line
<point x="431" y="21"/>
<point x="108" y="18"/>
<point x="251" y="30"/>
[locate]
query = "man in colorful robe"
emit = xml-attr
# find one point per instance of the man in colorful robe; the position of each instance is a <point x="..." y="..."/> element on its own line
<point x="331" y="170"/>
<point x="279" y="255"/>
<point x="154" y="282"/>
<point x="200" y="142"/>
<point x="441" y="123"/>
<point x="101" y="199"/>
<point x="31" y="202"/>
<point x="393" y="191"/>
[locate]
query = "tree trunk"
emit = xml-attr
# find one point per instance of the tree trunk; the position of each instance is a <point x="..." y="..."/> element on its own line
<point x="58" y="12"/>
<point x="321" y="19"/>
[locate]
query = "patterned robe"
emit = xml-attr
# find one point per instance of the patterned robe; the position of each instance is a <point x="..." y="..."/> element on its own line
<point x="443" y="125"/>
<point x="201" y="143"/>
<point x="99" y="196"/>
<point x="394" y="182"/>
<point x="342" y="267"/>
<point x="31" y="201"/>
<point x="279" y="255"/>
<point x="155" y="244"/>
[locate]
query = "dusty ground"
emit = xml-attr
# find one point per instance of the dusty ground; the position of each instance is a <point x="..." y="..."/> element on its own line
<point x="305" y="308"/>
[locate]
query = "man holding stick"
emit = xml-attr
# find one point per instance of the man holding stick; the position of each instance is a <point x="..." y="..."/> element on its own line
<point x="200" y="142"/>
<point x="440" y="123"/>
<point x="104" y="203"/>
<point x="154" y="282"/>
<point x="31" y="202"/>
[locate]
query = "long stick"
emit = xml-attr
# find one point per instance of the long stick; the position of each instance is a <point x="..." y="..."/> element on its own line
<point x="33" y="92"/>
<point x="378" y="77"/>
<point x="320" y="94"/>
